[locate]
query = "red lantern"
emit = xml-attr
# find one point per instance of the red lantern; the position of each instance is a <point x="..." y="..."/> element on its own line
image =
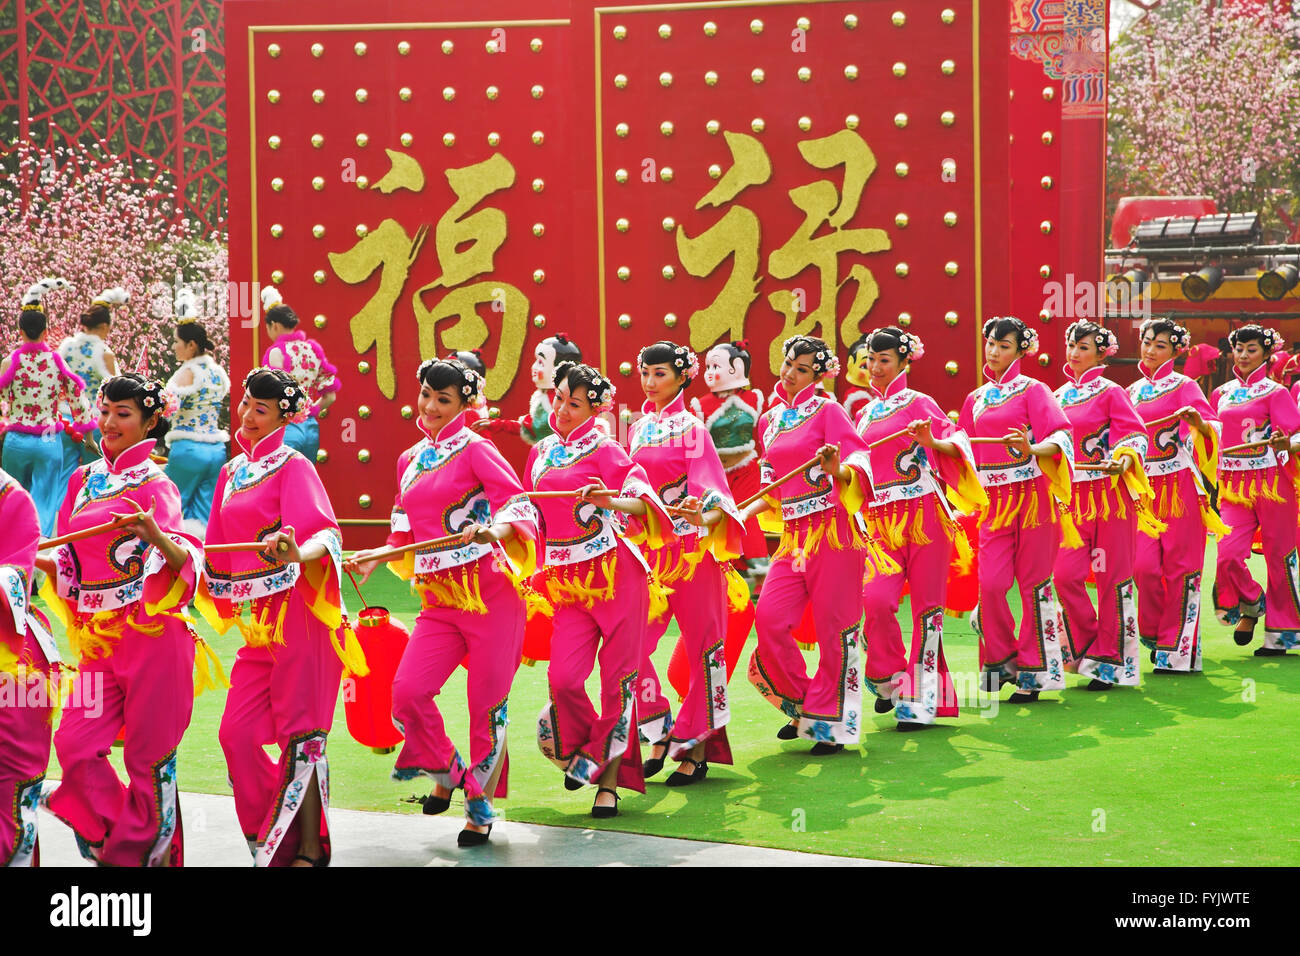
<point x="537" y="639"/>
<point x="368" y="701"/>
<point x="964" y="589"/>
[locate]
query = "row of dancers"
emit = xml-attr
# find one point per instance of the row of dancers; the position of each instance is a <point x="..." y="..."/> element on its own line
<point x="612" y="542"/>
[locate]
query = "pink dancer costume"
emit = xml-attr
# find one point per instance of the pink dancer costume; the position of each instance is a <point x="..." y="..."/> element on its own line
<point x="910" y="513"/>
<point x="821" y="559"/>
<point x="1257" y="490"/>
<point x="1168" y="570"/>
<point x="122" y="604"/>
<point x="731" y="422"/>
<point x="1102" y="642"/>
<point x="29" y="678"/>
<point x="597" y="581"/>
<point x="1020" y="530"/>
<point x="674" y="448"/>
<point x="286" y="676"/>
<point x="469" y="603"/>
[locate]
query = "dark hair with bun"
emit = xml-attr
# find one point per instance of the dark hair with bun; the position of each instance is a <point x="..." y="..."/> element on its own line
<point x="451" y="373"/>
<point x="274" y="385"/>
<point x="471" y="359"/>
<point x="32" y="322"/>
<point x="600" y="390"/>
<point x="283" y="314"/>
<point x="192" y="331"/>
<point x="1269" y="339"/>
<point x="147" y="393"/>
<point x="96" y="316"/>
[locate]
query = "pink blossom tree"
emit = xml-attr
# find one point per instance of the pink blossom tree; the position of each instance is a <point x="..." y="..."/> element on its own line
<point x="81" y="216"/>
<point x="1205" y="100"/>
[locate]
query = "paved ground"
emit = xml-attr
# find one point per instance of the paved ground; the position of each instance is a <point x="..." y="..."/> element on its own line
<point x="394" y="839"/>
<point x="398" y="839"/>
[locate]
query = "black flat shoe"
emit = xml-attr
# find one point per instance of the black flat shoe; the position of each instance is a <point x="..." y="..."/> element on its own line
<point x="884" y="705"/>
<point x="571" y="784"/>
<point x="473" y="837"/>
<point x="601" y="813"/>
<point x="679" y="779"/>
<point x="655" y="764"/>
<point x="1242" y="638"/>
<point x="321" y="860"/>
<point x="435" y="805"/>
<point x="1165" y="670"/>
<point x="1269" y="652"/>
<point x="1096" y="684"/>
<point x="906" y="725"/>
<point x="824" y="749"/>
<point x="1023" y="697"/>
<point x="788" y="732"/>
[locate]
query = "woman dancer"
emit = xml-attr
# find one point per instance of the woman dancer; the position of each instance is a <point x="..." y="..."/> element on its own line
<point x="29" y="680"/>
<point x="678" y="456"/>
<point x="472" y="359"/>
<point x="1181" y="468"/>
<point x="303" y="358"/>
<point x="596" y="579"/>
<point x="822" y="556"/>
<point x="1025" y="474"/>
<point x="455" y="484"/>
<point x="1111" y="502"/>
<point x="120" y="594"/>
<point x="33" y="380"/>
<point x="1257" y="490"/>
<point x="196" y="441"/>
<point x="87" y="355"/>
<point x="286" y="676"/>
<point x="920" y="462"/>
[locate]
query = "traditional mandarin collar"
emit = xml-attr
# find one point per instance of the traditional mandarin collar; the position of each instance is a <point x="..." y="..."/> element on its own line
<point x="804" y="395"/>
<point x="129" y="457"/>
<point x="574" y="434"/>
<point x="678" y="404"/>
<point x="1090" y="375"/>
<point x="1254" y="377"/>
<point x="893" y="388"/>
<point x="1009" y="373"/>
<point x="1164" y="371"/>
<point x="447" y="431"/>
<point x="263" y="446"/>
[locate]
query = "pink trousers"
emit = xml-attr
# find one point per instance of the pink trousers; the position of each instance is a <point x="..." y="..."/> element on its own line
<point x="570" y="733"/>
<point x="281" y="694"/>
<point x="1101" y="641"/>
<point x="145" y="683"/>
<point x="829" y="706"/>
<point x="1234" y="588"/>
<point x="1168" y="575"/>
<point x="699" y="603"/>
<point x="1023" y="552"/>
<point x="442" y="637"/>
<point x="918" y="682"/>
<point x="25" y="734"/>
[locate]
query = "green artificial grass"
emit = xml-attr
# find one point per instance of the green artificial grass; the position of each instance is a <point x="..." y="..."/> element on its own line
<point x="1184" y="770"/>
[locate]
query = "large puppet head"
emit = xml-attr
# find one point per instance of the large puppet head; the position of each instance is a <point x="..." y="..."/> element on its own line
<point x="550" y="353"/>
<point x="726" y="366"/>
<point x="856" y="371"/>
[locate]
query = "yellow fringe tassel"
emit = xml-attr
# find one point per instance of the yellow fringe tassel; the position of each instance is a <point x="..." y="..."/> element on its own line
<point x="208" y="672"/>
<point x="563" y="586"/>
<point x="535" y="603"/>
<point x="1069" y="532"/>
<point x="443" y="590"/>
<point x="918" y="526"/>
<point x="349" y="651"/>
<point x="737" y="589"/>
<point x="1030" y="519"/>
<point x="1213" y="523"/>
<point x="658" y="598"/>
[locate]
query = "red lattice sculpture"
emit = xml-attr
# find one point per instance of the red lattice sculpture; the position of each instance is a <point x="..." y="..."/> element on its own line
<point x="142" y="79"/>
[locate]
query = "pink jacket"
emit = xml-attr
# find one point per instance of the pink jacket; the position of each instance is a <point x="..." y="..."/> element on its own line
<point x="17" y="559"/>
<point x="1102" y="418"/>
<point x="677" y="452"/>
<point x="1252" y="408"/>
<point x="1005" y="402"/>
<point x="450" y="480"/>
<point x="305" y="360"/>
<point x="790" y="433"/>
<point x="578" y="530"/>
<point x="1172" y="445"/>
